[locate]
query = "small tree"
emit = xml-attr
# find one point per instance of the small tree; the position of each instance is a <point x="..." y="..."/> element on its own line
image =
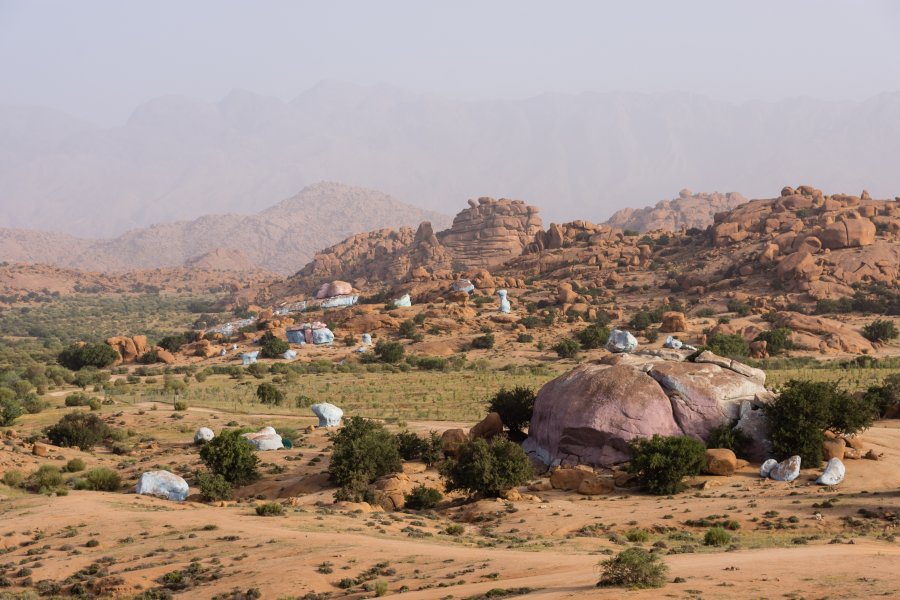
<point x="804" y="410"/>
<point x="486" y="468"/>
<point x="272" y="347"/>
<point x="80" y="430"/>
<point x="886" y="397"/>
<point x="97" y="355"/>
<point x="10" y="408"/>
<point x="593" y="336"/>
<point x="660" y="462"/>
<point x="422" y="498"/>
<point x="213" y="487"/>
<point x="633" y="568"/>
<point x="880" y="330"/>
<point x="484" y="342"/>
<point x="727" y="344"/>
<point x="389" y="352"/>
<point x="777" y="340"/>
<point x="267" y="393"/>
<point x="567" y="348"/>
<point x="408" y="329"/>
<point x="363" y="451"/>
<point x="514" y="406"/>
<point x="232" y="457"/>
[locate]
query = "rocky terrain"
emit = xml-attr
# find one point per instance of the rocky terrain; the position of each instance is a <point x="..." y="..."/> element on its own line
<point x="685" y="212"/>
<point x="281" y="238"/>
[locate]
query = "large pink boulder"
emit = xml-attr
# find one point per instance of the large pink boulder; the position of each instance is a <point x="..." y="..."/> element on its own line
<point x="589" y="415"/>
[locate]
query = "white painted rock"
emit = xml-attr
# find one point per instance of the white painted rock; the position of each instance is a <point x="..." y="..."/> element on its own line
<point x="786" y="470"/>
<point x="329" y="414"/>
<point x="621" y="341"/>
<point x="265" y="439"/>
<point x="203" y="435"/>
<point x="833" y="473"/>
<point x="163" y="484"/>
<point x="767" y="467"/>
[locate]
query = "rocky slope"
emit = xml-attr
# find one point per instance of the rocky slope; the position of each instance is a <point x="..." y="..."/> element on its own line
<point x="281" y="238"/>
<point x="687" y="211"/>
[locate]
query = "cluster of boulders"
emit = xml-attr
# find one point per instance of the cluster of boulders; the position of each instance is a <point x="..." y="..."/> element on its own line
<point x="687" y="211"/>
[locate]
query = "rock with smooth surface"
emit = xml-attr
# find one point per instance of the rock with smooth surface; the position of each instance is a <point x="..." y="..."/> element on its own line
<point x="621" y="341"/>
<point x="451" y="440"/>
<point x="720" y="461"/>
<point x="265" y="439"/>
<point x="162" y="484"/>
<point x="767" y="467"/>
<point x="786" y="470"/>
<point x="203" y="435"/>
<point x="833" y="473"/>
<point x="329" y="414"/>
<point x="488" y="428"/>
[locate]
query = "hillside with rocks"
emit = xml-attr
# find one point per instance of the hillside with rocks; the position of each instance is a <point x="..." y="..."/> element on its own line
<point x="687" y="211"/>
<point x="281" y="238"/>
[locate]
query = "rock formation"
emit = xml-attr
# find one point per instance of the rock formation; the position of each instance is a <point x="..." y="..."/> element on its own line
<point x="687" y="211"/>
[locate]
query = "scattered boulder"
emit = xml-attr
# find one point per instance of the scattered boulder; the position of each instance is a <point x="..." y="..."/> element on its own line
<point x="329" y="414"/>
<point x="786" y="470"/>
<point x="720" y="461"/>
<point x="389" y="492"/>
<point x="203" y="435"/>
<point x="39" y="449"/>
<point x="334" y="288"/>
<point x="164" y="356"/>
<point x="766" y="468"/>
<point x="595" y="485"/>
<point x="451" y="440"/>
<point x="833" y="473"/>
<point x="673" y="322"/>
<point x="488" y="428"/>
<point x="621" y="341"/>
<point x="568" y="478"/>
<point x="759" y="349"/>
<point x="265" y="439"/>
<point x="163" y="484"/>
<point x="834" y="448"/>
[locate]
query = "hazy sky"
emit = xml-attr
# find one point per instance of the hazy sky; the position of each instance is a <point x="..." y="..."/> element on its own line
<point x="99" y="59"/>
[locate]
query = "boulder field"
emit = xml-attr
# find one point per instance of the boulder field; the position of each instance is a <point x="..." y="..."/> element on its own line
<point x="590" y="414"/>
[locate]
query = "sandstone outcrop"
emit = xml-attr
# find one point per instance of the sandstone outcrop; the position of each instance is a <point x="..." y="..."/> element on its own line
<point x="687" y="211"/>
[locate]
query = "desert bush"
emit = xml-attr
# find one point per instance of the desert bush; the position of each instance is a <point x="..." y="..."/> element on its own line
<point x="229" y="455"/>
<point x="408" y="329"/>
<point x="524" y="338"/>
<point x="100" y="479"/>
<point x="78" y="430"/>
<point x="484" y="342"/>
<point x="886" y="397"/>
<point x="13" y="478"/>
<point x="486" y="468"/>
<point x="33" y="404"/>
<point x="10" y="408"/>
<point x="880" y="330"/>
<point x="717" y="536"/>
<point x="173" y="343"/>
<point x="727" y="344"/>
<point x="633" y="568"/>
<point x="727" y="436"/>
<point x="75" y="465"/>
<point x="180" y="405"/>
<point x="514" y="406"/>
<point x="46" y="480"/>
<point x="659" y="463"/>
<point x="363" y="451"/>
<point x="777" y="340"/>
<point x="567" y="348"/>
<point x="410" y="445"/>
<point x="593" y="336"/>
<point x="738" y="306"/>
<point x="269" y="509"/>
<point x="272" y="347"/>
<point x="267" y="393"/>
<point x="389" y="352"/>
<point x="804" y="410"/>
<point x="97" y="355"/>
<point x="213" y="487"/>
<point x="423" y="498"/>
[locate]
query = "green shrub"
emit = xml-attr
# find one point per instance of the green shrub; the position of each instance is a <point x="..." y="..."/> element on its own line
<point x="484" y="342"/>
<point x="423" y="498"/>
<point x="431" y="363"/>
<point x="10" y="408"/>
<point x="717" y="536"/>
<point x="727" y="344"/>
<point x="659" y="463"/>
<point x="97" y="355"/>
<point x="514" y="406"/>
<point x="567" y="348"/>
<point x="727" y="436"/>
<point x="75" y="465"/>
<point x="269" y="509"/>
<point x="363" y="451"/>
<point x="530" y="322"/>
<point x="272" y="347"/>
<point x="173" y="343"/>
<point x="101" y="479"/>
<point x="229" y="455"/>
<point x="486" y="468"/>
<point x="389" y="352"/>
<point x="33" y="404"/>
<point x="180" y="405"/>
<point x="880" y="330"/>
<point x="408" y="329"/>
<point x="46" y="480"/>
<point x="633" y="568"/>
<point x="804" y="410"/>
<point x="524" y="338"/>
<point x="149" y="358"/>
<point x="267" y="393"/>
<point x="641" y="320"/>
<point x="213" y="487"/>
<point x="13" y="478"/>
<point x="78" y="430"/>
<point x="381" y="588"/>
<point x="886" y="397"/>
<point x="593" y="336"/>
<point x="777" y="340"/>
<point x="410" y="445"/>
<point x="738" y="306"/>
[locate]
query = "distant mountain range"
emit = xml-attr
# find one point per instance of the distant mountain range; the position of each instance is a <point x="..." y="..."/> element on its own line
<point x="281" y="238"/>
<point x="578" y="156"/>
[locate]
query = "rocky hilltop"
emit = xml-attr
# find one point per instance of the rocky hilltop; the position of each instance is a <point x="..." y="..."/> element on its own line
<point x="281" y="238"/>
<point x="687" y="211"/>
<point x="222" y="259"/>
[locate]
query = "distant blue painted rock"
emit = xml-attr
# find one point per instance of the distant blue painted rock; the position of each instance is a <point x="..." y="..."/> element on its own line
<point x="329" y="414"/>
